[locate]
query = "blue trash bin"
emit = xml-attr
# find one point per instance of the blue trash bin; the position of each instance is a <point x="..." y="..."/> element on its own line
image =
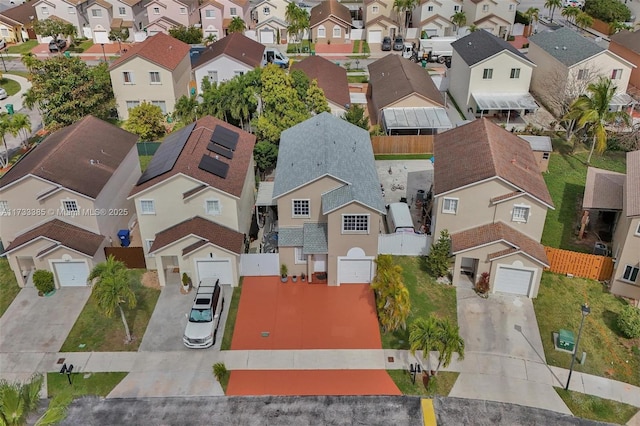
<point x="125" y="237"/>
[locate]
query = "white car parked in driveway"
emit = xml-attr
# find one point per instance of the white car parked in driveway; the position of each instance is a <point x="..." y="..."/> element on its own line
<point x="204" y="318"/>
<point x="3" y="93"/>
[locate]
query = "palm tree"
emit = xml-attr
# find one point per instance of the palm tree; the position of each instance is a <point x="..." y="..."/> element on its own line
<point x="591" y="112"/>
<point x="29" y="60"/>
<point x="583" y="20"/>
<point x="459" y="19"/>
<point x="21" y="124"/>
<point x="5" y="127"/>
<point x="424" y="336"/>
<point x="392" y="297"/>
<point x="450" y="343"/>
<point x="298" y="19"/>
<point x="405" y="8"/>
<point x="552" y="5"/>
<point x="570" y="13"/>
<point x="186" y="109"/>
<point x="532" y="15"/>
<point x="236" y="25"/>
<point x="112" y="289"/>
<point x="473" y="27"/>
<point x="18" y="400"/>
<point x="119" y="34"/>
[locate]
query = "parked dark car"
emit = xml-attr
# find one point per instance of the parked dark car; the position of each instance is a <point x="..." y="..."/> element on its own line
<point x="386" y="43"/>
<point x="57" y="45"/>
<point x="398" y="43"/>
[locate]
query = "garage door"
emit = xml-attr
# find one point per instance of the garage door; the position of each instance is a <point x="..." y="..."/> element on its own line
<point x="355" y="271"/>
<point x="374" y="36"/>
<point x="216" y="268"/>
<point x="71" y="274"/>
<point x="266" y="37"/>
<point x="514" y="281"/>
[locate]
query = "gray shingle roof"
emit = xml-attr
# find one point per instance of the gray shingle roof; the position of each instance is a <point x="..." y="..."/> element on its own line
<point x="480" y="45"/>
<point x="566" y="46"/>
<point x="315" y="238"/>
<point x="325" y="145"/>
<point x="290" y="237"/>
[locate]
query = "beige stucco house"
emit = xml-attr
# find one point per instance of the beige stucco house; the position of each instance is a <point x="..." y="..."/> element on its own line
<point x="567" y="62"/>
<point x="195" y="201"/>
<point x="380" y="20"/>
<point x="496" y="17"/>
<point x="166" y="14"/>
<point x="156" y="71"/>
<point x="330" y="22"/>
<point x="270" y="21"/>
<point x="16" y="22"/>
<point x="433" y="17"/>
<point x="59" y="217"/>
<point x="489" y="194"/>
<point x="330" y="206"/>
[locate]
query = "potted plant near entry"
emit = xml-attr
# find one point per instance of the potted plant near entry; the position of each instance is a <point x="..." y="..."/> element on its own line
<point x="284" y="271"/>
<point x="303" y="277"/>
<point x="43" y="280"/>
<point x="482" y="286"/>
<point x="294" y="278"/>
<point x="186" y="282"/>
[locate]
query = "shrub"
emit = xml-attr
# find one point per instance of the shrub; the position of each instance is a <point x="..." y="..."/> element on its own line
<point x="220" y="371"/>
<point x="438" y="259"/>
<point x="629" y="322"/>
<point x="482" y="286"/>
<point x="608" y="11"/>
<point x="43" y="280"/>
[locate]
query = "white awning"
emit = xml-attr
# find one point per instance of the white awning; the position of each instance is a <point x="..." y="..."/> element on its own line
<point x="504" y="101"/>
<point x="622" y="99"/>
<point x="358" y="98"/>
<point x="265" y="194"/>
<point x="416" y="118"/>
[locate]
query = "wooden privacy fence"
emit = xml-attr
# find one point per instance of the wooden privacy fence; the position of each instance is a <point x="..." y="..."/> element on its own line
<point x="407" y="144"/>
<point x="133" y="257"/>
<point x="579" y="264"/>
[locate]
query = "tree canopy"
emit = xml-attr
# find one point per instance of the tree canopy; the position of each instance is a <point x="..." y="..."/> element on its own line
<point x="392" y="297"/>
<point x="607" y="10"/>
<point x="147" y="121"/>
<point x="189" y="35"/>
<point x="54" y="28"/>
<point x="236" y="25"/>
<point x="356" y="116"/>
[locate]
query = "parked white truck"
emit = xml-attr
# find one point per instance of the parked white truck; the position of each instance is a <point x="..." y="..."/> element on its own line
<point x="436" y="49"/>
<point x="274" y="56"/>
<point x="204" y="318"/>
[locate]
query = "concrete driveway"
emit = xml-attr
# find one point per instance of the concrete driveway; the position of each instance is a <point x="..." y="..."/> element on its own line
<point x="41" y="324"/>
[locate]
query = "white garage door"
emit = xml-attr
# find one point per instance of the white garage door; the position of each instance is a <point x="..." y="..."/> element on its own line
<point x="215" y="268"/>
<point x="514" y="281"/>
<point x="374" y="36"/>
<point x="355" y="271"/>
<point x="267" y="37"/>
<point x="71" y="274"/>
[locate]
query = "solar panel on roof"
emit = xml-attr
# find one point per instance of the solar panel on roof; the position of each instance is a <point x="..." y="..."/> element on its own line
<point x="219" y="149"/>
<point x="167" y="154"/>
<point x="214" y="166"/>
<point x="225" y="137"/>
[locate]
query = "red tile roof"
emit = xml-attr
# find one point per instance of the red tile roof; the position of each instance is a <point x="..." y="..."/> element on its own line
<point x="64" y="234"/>
<point x="494" y="233"/>
<point x="235" y="45"/>
<point x="212" y="232"/>
<point x="95" y="147"/>
<point x="482" y="150"/>
<point x="196" y="147"/>
<point x="161" y="49"/>
<point x="332" y="78"/>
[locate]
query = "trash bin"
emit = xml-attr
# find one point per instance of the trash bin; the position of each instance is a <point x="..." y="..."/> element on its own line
<point x="566" y="340"/>
<point x="313" y="53"/>
<point x="424" y="63"/>
<point x="67" y="54"/>
<point x="9" y="109"/>
<point x="125" y="237"/>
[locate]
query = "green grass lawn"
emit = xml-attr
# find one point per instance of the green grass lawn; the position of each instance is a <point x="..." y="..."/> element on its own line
<point x="96" y="384"/>
<point x="231" y="318"/>
<point x="24" y="74"/>
<point x="403" y="156"/>
<point x="438" y="385"/>
<point x="599" y="409"/>
<point x="144" y="161"/>
<point x="11" y="86"/>
<point x="565" y="180"/>
<point x="8" y="286"/>
<point x="427" y="298"/>
<point x="357" y="78"/>
<point x="101" y="334"/>
<point x="609" y="354"/>
<point x="25" y="47"/>
<point x="85" y="45"/>
<point x="356" y="46"/>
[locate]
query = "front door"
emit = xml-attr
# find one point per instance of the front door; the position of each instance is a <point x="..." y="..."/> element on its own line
<point x="319" y="263"/>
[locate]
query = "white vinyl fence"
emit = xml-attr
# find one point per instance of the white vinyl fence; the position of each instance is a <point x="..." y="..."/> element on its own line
<point x="404" y="244"/>
<point x="259" y="264"/>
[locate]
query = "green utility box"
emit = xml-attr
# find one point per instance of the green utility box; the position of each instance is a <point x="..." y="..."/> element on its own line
<point x="9" y="108"/>
<point x="566" y="340"/>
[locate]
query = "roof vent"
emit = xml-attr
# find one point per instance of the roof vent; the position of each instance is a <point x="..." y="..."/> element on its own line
<point x="92" y="161"/>
<point x="217" y="157"/>
<point x="469" y="43"/>
<point x="564" y="47"/>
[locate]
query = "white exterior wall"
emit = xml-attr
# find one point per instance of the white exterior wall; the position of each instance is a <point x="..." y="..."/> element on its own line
<point x="224" y="65"/>
<point x="459" y="75"/>
<point x="212" y="25"/>
<point x="277" y="9"/>
<point x="605" y="63"/>
<point x="445" y="8"/>
<point x="61" y="9"/>
<point x="500" y="81"/>
<point x="100" y="23"/>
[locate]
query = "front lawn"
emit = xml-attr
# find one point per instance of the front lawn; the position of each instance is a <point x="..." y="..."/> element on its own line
<point x="565" y="180"/>
<point x="609" y="354"/>
<point x="144" y="161"/>
<point x="21" y="48"/>
<point x="595" y="408"/>
<point x="8" y="286"/>
<point x="403" y="156"/>
<point x="358" y="79"/>
<point x="95" y="332"/>
<point x="11" y="86"/>
<point x="439" y="385"/>
<point x="231" y="318"/>
<point x="83" y="384"/>
<point x="427" y="298"/>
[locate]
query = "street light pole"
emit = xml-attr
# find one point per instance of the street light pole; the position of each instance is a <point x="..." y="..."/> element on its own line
<point x="585" y="311"/>
<point x="103" y="54"/>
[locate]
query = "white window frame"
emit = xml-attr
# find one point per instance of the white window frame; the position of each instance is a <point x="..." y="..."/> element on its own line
<point x="546" y="155"/>
<point x="238" y="73"/>
<point x="616" y="74"/>
<point x="522" y="218"/>
<point x="71" y="10"/>
<point x="96" y="13"/>
<point x="127" y="75"/>
<point x="301" y="201"/>
<point x="214" y="74"/>
<point x="160" y="104"/>
<point x="122" y="11"/>
<point x="156" y="11"/>
<point x="638" y="230"/>
<point x="485" y="8"/>
<point x="233" y="11"/>
<point x="44" y="10"/>
<point x="4" y="208"/>
<point x="429" y="8"/>
<point x="266" y="10"/>
<point x="136" y="104"/>
<point x="147" y="202"/>
<point x="152" y="75"/>
<point x="449" y="210"/>
<point x="216" y="208"/>
<point x="487" y="73"/>
<point x="149" y="243"/>
<point x="511" y="6"/>
<point x="515" y="73"/>
<point x="357" y="222"/>
<point x="210" y="14"/>
<point x="337" y="32"/>
<point x="300" y="258"/>
<point x="627" y="274"/>
<point x="70" y="206"/>
<point x="4" y="32"/>
<point x="456" y="8"/>
<point x="183" y="11"/>
<point x="375" y="9"/>
<point x="583" y="74"/>
<point x="321" y="32"/>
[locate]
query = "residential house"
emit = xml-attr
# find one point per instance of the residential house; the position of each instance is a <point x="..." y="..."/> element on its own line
<point x="403" y="99"/>
<point x="331" y="78"/>
<point x="330" y="22"/>
<point x="496" y="17"/>
<point x="212" y="17"/>
<point x="155" y="71"/>
<point x="64" y="10"/>
<point x="490" y="196"/>
<point x="626" y="44"/>
<point x="489" y="76"/>
<point x="380" y="20"/>
<point x="616" y="199"/>
<point x="235" y="9"/>
<point x="542" y="148"/>
<point x="166" y="14"/>
<point x="330" y="206"/>
<point x="17" y="22"/>
<point x="234" y="55"/>
<point x="270" y="21"/>
<point x="195" y="200"/>
<point x="433" y="17"/>
<point x="567" y="62"/>
<point x="60" y="217"/>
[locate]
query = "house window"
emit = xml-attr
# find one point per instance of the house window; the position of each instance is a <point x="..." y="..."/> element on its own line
<point x="212" y="207"/>
<point x="375" y="9"/>
<point x="322" y="33"/>
<point x="583" y="74"/>
<point x="511" y="7"/>
<point x="210" y="14"/>
<point x="238" y="73"/>
<point x="154" y="77"/>
<point x="96" y="13"/>
<point x="44" y="10"/>
<point x="213" y="76"/>
<point x="4" y="32"/>
<point x="147" y="207"/>
<point x="456" y="8"/>
<point x="4" y="208"/>
<point x="301" y="208"/>
<point x="520" y="213"/>
<point x="630" y="273"/>
<point x="487" y="73"/>
<point x="183" y="11"/>
<point x="156" y="11"/>
<point x="352" y="223"/>
<point x="127" y="77"/>
<point x="337" y="32"/>
<point x="149" y="243"/>
<point x="122" y="11"/>
<point x="430" y="9"/>
<point x="233" y="11"/>
<point x="132" y="104"/>
<point x="616" y="74"/>
<point x="450" y="205"/>
<point x="515" y="73"/>
<point x="545" y="155"/>
<point x="266" y="11"/>
<point x="638" y="230"/>
<point x="70" y="206"/>
<point x="301" y="258"/>
<point x="161" y="104"/>
<point x="485" y="8"/>
<point x="71" y="10"/>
